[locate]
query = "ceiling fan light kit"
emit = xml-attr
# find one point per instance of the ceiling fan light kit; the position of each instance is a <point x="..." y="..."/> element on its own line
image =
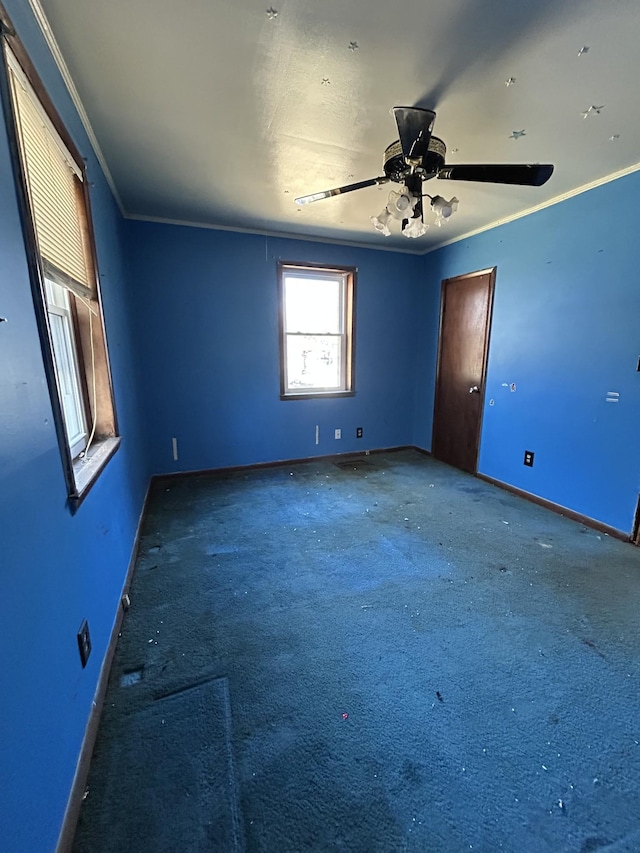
<point x="443" y="209"/>
<point x="381" y="222"/>
<point x="404" y="206"/>
<point x="415" y="227"/>
<point x="401" y="205"/>
<point x="418" y="156"/>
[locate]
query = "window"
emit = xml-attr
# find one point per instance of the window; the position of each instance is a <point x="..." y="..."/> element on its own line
<point x="52" y="190"/>
<point x="316" y="348"/>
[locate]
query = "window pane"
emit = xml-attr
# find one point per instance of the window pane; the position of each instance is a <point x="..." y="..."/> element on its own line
<point x="312" y="305"/>
<point x="56" y="295"/>
<point x="64" y="357"/>
<point x="313" y="362"/>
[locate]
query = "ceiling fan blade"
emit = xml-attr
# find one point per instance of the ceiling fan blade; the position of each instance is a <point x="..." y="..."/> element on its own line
<point x="348" y="188"/>
<point x="415" y="126"/>
<point x="527" y="175"/>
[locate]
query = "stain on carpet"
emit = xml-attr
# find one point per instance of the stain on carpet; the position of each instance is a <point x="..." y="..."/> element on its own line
<point x="354" y="466"/>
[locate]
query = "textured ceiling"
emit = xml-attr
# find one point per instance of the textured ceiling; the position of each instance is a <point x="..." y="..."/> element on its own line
<point x="220" y="112"/>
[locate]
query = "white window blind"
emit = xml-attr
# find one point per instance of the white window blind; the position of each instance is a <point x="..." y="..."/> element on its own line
<point x="54" y="185"/>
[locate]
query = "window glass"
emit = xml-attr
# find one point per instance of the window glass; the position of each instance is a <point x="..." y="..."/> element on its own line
<point x="66" y="362"/>
<point x="316" y="341"/>
<point x="313" y="361"/>
<point x="312" y="305"/>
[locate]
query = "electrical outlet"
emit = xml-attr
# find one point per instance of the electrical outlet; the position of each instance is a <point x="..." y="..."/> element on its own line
<point x="84" y="642"/>
<point x="338" y="433"/>
<point x="358" y="432"/>
<point x="528" y="458"/>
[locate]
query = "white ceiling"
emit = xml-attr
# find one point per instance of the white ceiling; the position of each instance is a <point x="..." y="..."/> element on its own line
<point x="214" y="112"/>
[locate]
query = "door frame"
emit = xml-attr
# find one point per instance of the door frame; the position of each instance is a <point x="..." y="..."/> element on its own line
<point x="491" y="272"/>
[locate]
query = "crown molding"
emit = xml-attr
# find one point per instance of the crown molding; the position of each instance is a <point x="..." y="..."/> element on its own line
<point x="281" y="235"/>
<point x="614" y="176"/>
<point x="63" y="68"/>
<point x="50" y="39"/>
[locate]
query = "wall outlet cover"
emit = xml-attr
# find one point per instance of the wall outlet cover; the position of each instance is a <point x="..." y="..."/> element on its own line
<point x="528" y="458"/>
<point x="358" y="432"/>
<point x="338" y="433"/>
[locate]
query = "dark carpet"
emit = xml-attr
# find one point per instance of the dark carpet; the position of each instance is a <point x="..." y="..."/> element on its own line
<point x="185" y="738"/>
<point x="416" y="661"/>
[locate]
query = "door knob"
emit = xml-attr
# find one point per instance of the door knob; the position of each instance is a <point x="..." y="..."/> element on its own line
<point x="474" y="389"/>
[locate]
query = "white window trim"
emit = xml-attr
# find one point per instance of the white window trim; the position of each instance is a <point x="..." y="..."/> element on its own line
<point x="346" y="278"/>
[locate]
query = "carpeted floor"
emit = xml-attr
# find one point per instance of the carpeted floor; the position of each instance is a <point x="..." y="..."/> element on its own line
<point x="380" y="655"/>
<point x="186" y="737"/>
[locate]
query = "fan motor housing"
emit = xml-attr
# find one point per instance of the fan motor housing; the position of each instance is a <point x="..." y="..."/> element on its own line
<point x="396" y="168"/>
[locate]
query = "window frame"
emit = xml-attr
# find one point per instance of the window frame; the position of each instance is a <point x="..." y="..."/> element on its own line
<point x="348" y="298"/>
<point x="80" y="475"/>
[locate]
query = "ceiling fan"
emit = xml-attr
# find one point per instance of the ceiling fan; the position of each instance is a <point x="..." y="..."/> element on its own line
<point x="418" y="156"/>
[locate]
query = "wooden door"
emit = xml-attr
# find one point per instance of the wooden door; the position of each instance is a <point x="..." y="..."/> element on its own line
<point x="465" y="320"/>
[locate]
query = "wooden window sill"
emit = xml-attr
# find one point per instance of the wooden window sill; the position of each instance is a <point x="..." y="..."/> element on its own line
<point x="87" y="470"/>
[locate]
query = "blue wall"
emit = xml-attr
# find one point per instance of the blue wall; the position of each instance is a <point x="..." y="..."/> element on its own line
<point x="194" y="314"/>
<point x="55" y="568"/>
<point x="427" y="311"/>
<point x="566" y="330"/>
<point x="207" y="314"/>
